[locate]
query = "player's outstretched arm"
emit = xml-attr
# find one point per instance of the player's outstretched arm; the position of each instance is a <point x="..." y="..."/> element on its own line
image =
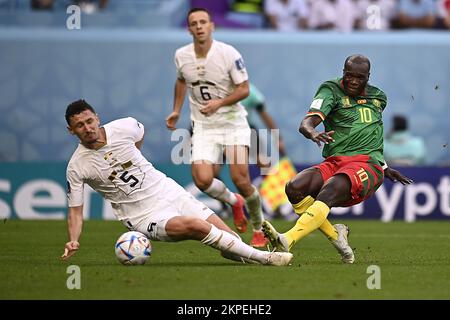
<point x="395" y="176"/>
<point x="178" y="100"/>
<point x="308" y="129"/>
<point x="74" y="227"/>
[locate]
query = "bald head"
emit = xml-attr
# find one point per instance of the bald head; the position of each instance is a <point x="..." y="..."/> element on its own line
<point x="356" y="74"/>
<point x="357" y="59"/>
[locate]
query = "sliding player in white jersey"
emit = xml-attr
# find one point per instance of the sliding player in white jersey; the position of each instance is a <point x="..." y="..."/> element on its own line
<point x="144" y="199"/>
<point x="217" y="80"/>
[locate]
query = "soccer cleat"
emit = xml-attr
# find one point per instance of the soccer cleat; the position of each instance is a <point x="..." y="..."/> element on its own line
<point x="279" y="258"/>
<point x="278" y="240"/>
<point x="341" y="244"/>
<point x="258" y="240"/>
<point x="239" y="219"/>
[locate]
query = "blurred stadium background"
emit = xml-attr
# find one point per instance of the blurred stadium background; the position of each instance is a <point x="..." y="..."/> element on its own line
<point x="121" y="61"/>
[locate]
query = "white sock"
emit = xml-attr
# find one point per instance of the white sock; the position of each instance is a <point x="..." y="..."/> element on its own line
<point x="219" y="191"/>
<point x="228" y="243"/>
<point x="253" y="204"/>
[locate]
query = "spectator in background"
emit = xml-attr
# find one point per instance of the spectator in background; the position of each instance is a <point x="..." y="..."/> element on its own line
<point x="375" y="15"/>
<point x="287" y="15"/>
<point x="42" y="4"/>
<point x="219" y="10"/>
<point x="443" y="14"/>
<point x="401" y="147"/>
<point x="416" y="14"/>
<point x="91" y="6"/>
<point x="248" y="12"/>
<point x="339" y="15"/>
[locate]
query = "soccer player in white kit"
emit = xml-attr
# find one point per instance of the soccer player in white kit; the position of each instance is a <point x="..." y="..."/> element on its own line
<point x="144" y="199"/>
<point x="215" y="74"/>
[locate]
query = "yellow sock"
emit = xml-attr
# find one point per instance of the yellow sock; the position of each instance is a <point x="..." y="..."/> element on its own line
<point x="303" y="205"/>
<point x="308" y="222"/>
<point x="327" y="228"/>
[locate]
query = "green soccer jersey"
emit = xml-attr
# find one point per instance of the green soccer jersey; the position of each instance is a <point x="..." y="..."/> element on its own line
<point x="357" y="121"/>
<point x="254" y="101"/>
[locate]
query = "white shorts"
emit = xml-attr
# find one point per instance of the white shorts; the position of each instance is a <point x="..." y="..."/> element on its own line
<point x="208" y="143"/>
<point x="172" y="201"/>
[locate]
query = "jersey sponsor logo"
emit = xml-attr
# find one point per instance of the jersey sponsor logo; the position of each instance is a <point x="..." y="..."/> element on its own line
<point x="346" y="102"/>
<point x="316" y="104"/>
<point x="239" y="64"/>
<point x="361" y="101"/>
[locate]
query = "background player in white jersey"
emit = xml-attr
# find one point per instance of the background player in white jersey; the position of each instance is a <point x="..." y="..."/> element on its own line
<point x="109" y="160"/>
<point x="217" y="80"/>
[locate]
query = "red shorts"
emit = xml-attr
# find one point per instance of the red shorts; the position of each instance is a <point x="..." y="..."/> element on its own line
<point x="366" y="177"/>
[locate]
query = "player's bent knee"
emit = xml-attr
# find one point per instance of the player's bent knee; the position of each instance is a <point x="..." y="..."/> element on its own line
<point x="203" y="183"/>
<point x="336" y="192"/>
<point x="197" y="228"/>
<point x="295" y="192"/>
<point x="242" y="183"/>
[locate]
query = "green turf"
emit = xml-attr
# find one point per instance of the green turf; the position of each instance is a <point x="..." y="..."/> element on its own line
<point x="414" y="260"/>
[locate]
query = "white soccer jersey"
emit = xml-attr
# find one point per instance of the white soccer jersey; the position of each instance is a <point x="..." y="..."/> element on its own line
<point x="213" y="77"/>
<point x="118" y="171"/>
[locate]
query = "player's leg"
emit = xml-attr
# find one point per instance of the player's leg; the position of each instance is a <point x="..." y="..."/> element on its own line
<point x="261" y="150"/>
<point x="190" y="206"/>
<point x="206" y="153"/>
<point x="298" y="190"/>
<point x="203" y="175"/>
<point x="218" y="190"/>
<point x="303" y="189"/>
<point x="192" y="228"/>
<point x="335" y="192"/>
<point x="237" y="157"/>
<point x="354" y="181"/>
<point x="312" y="213"/>
<point x="365" y="179"/>
<point x="219" y="224"/>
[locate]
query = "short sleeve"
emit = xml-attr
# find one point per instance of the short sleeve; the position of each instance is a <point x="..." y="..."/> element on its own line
<point x="323" y="102"/>
<point x="383" y="101"/>
<point x="136" y="129"/>
<point x="237" y="69"/>
<point x="178" y="67"/>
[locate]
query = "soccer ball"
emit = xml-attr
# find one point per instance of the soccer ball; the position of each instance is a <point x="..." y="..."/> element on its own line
<point x="133" y="248"/>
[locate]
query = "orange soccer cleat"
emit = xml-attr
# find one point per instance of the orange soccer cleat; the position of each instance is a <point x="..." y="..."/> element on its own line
<point x="259" y="240"/>
<point x="239" y="219"/>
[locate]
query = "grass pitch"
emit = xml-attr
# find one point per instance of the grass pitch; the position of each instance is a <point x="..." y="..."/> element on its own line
<point x="414" y="261"/>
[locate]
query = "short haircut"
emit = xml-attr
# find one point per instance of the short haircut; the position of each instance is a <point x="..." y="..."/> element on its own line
<point x="197" y="10"/>
<point x="357" y="59"/>
<point x="77" y="107"/>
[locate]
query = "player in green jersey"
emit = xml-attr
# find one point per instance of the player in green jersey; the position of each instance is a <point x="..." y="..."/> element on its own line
<point x="257" y="102"/>
<point x="354" y="167"/>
